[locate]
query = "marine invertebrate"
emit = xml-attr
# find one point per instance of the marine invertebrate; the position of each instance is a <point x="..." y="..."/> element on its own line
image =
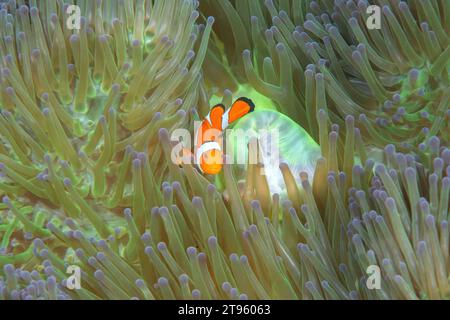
<point x="387" y="223"/>
<point x="77" y="104"/>
<point x="281" y="140"/>
<point x="311" y="55"/>
<point x="86" y="177"/>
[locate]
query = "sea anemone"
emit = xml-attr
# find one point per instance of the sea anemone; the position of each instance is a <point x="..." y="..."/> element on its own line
<point x="87" y="181"/>
<point x="280" y="140"/>
<point x="81" y="110"/>
<point x="311" y="55"/>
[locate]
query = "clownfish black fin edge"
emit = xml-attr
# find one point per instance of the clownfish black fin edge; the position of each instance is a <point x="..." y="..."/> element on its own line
<point x="219" y="105"/>
<point x="248" y="101"/>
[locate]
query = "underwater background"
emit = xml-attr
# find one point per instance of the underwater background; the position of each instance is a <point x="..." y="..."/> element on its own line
<point x="86" y="177"/>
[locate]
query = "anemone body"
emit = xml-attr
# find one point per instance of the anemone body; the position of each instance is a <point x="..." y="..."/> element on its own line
<point x="86" y="177"/>
<point x="281" y="140"/>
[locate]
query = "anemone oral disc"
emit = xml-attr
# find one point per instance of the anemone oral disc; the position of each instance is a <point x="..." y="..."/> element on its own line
<point x="280" y="140"/>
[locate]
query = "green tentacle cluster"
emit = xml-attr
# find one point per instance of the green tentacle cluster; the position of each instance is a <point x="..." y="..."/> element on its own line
<point x="87" y="180"/>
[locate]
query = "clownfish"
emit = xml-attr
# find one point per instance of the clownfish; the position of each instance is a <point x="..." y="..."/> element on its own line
<point x="208" y="138"/>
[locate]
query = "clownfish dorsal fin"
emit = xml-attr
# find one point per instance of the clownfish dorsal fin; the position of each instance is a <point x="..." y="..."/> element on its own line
<point x="215" y="116"/>
<point x="241" y="107"/>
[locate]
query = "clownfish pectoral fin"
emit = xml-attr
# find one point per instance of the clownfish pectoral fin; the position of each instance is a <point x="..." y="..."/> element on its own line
<point x="240" y="108"/>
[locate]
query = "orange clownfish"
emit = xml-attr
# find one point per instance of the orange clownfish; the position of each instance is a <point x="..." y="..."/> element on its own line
<point x="208" y="138"/>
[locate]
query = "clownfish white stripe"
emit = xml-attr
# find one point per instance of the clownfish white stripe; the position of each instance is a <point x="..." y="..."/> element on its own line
<point x="197" y="131"/>
<point x="225" y="120"/>
<point x="207" y="146"/>
<point x="208" y="118"/>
